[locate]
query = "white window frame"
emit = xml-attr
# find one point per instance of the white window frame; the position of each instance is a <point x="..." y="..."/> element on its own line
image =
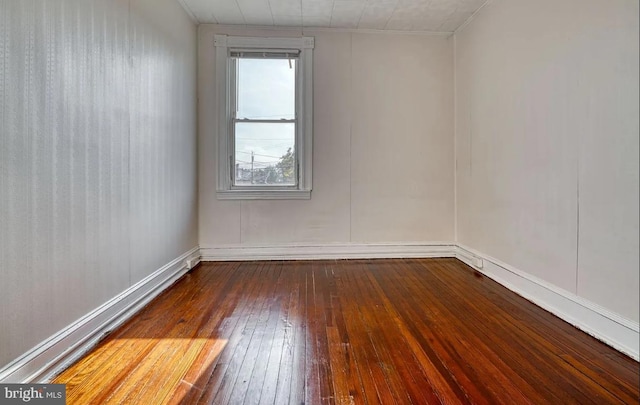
<point x="225" y="190"/>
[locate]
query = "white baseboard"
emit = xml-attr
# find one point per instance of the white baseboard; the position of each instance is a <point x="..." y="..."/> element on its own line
<point x="56" y="353"/>
<point x="611" y="328"/>
<point x="44" y="361"/>
<point x="329" y="251"/>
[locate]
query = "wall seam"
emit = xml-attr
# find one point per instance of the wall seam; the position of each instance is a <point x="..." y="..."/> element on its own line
<point x="455" y="140"/>
<point x="128" y="80"/>
<point x="351" y="112"/>
<point x="189" y="12"/>
<point x="4" y="171"/>
<point x="578" y="215"/>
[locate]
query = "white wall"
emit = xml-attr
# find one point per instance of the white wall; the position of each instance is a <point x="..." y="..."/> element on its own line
<point x="97" y="154"/>
<point x="547" y="143"/>
<point x="98" y="176"/>
<point x="383" y="146"/>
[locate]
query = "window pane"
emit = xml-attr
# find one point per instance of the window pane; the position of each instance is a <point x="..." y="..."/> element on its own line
<point x="266" y="88"/>
<point x="264" y="154"/>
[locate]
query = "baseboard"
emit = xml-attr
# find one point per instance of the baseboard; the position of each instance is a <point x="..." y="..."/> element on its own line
<point x="56" y="353"/>
<point x="611" y="328"/>
<point x="329" y="251"/>
<point x="616" y="331"/>
<point x="44" y="361"/>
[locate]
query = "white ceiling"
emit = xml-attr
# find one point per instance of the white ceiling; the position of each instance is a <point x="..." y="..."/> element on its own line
<point x="408" y="15"/>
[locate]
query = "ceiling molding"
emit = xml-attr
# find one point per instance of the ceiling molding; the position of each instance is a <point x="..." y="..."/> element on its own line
<point x="375" y="31"/>
<point x="187" y="9"/>
<point x="471" y="18"/>
<point x="305" y="30"/>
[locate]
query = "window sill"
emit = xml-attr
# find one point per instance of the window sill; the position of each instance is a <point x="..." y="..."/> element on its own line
<point x="264" y="195"/>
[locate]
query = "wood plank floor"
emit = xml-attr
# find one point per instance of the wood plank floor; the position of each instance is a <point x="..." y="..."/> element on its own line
<point x="417" y="331"/>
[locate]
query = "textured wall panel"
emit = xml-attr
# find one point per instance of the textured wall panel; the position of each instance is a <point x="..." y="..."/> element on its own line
<point x="547" y="143"/>
<point x="383" y="146"/>
<point x="163" y="170"/>
<point x="402" y="138"/>
<point x="97" y="156"/>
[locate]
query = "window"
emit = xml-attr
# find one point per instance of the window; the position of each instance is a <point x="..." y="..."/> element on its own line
<point x="264" y="90"/>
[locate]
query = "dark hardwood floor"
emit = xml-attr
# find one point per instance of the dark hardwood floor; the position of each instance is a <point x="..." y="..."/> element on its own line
<point x="415" y="331"/>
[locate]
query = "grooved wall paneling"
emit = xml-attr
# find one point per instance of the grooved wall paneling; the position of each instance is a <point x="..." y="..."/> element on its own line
<point x="547" y="143"/>
<point x="382" y="148"/>
<point x="97" y="156"/>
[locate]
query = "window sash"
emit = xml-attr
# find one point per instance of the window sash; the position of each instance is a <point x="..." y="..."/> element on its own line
<point x="234" y="89"/>
<point x="264" y="121"/>
<point x="264" y="53"/>
<point x="233" y="161"/>
<point x="233" y="98"/>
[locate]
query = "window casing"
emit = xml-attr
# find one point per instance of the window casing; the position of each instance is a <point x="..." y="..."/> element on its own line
<point x="290" y="180"/>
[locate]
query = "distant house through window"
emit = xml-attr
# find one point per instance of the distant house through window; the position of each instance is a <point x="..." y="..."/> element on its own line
<point x="264" y="90"/>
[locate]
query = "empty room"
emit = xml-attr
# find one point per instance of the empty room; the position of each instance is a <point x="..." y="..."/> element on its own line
<point x="319" y="202"/>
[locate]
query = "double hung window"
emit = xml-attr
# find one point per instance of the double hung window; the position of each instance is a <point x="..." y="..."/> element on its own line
<point x="264" y="88"/>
